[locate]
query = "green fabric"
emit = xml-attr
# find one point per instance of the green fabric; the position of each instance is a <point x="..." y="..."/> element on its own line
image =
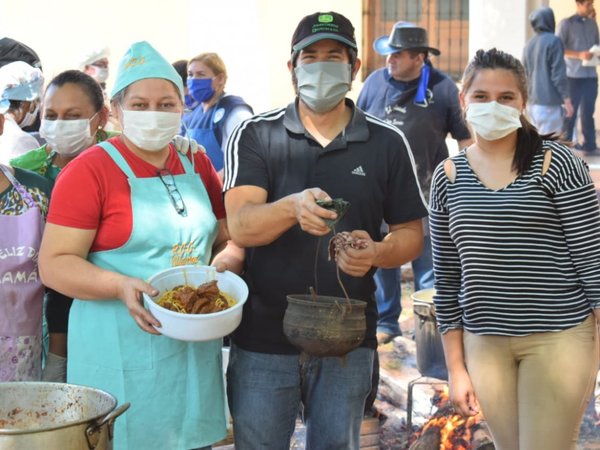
<point x="32" y="160"/>
<point x="142" y="61"/>
<point x="40" y="161"/>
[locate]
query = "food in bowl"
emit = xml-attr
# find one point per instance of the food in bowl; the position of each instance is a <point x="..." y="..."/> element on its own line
<point x="196" y="327"/>
<point x="204" y="299"/>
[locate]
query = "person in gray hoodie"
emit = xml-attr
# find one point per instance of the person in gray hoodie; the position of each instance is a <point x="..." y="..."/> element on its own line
<point x="543" y="58"/>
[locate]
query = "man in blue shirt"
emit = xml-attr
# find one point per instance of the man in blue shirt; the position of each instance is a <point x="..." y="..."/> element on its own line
<point x="578" y="34"/>
<point x="423" y="103"/>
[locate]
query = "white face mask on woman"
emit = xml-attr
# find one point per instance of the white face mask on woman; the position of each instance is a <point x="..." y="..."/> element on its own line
<point x="100" y="74"/>
<point x="322" y="85"/>
<point x="67" y="137"/>
<point x="151" y="130"/>
<point x="493" y="121"/>
<point x="29" y="117"/>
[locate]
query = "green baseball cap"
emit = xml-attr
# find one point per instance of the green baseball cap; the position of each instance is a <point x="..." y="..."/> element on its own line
<point x="323" y="25"/>
<point x="142" y="61"/>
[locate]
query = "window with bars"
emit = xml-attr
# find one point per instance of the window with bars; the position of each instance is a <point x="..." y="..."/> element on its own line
<point x="446" y="22"/>
<point x="453" y="9"/>
<point x="410" y="11"/>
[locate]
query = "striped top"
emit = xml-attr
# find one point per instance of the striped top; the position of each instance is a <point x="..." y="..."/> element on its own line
<point x="518" y="260"/>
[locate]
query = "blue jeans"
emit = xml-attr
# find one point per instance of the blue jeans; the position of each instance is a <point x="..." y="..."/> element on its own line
<point x="389" y="284"/>
<point x="583" y="93"/>
<point x="265" y="392"/>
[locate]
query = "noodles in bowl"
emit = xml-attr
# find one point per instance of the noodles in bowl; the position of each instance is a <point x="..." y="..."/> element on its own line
<point x="215" y="301"/>
<point x="205" y="299"/>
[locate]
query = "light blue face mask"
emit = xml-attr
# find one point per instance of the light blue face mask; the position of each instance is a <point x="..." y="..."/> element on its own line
<point x="323" y="85"/>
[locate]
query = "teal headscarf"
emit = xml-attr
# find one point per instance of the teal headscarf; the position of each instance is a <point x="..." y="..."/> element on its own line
<point x="143" y="61"/>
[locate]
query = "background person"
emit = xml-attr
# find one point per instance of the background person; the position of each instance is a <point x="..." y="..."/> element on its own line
<point x="217" y="113"/>
<point x="23" y="207"/>
<point x="181" y="67"/>
<point x="578" y="34"/>
<point x="12" y="50"/>
<point x="20" y="89"/>
<point x="515" y="227"/>
<point x="95" y="63"/>
<point x="73" y="116"/>
<point x="277" y="164"/>
<point x="121" y="212"/>
<point x="421" y="101"/>
<point x="73" y="119"/>
<point x="543" y="59"/>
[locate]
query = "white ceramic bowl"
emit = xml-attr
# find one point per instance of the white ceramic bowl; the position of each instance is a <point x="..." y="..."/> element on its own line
<point x="197" y="327"/>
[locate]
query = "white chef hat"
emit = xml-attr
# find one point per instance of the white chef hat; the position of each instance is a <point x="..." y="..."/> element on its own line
<point x="94" y="55"/>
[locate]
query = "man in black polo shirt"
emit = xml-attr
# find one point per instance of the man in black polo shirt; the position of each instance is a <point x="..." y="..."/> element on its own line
<point x="276" y="165"/>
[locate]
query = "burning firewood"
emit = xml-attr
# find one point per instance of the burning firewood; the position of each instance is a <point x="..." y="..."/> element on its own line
<point x="447" y="430"/>
<point x="429" y="440"/>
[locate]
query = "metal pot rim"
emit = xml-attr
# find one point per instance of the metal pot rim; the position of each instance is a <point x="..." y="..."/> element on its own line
<point x="323" y="299"/>
<point x="16" y="431"/>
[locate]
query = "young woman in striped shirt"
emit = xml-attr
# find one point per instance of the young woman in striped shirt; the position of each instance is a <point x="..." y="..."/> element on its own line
<point x="515" y="228"/>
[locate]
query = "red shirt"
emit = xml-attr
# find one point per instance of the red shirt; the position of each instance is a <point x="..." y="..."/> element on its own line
<point x="92" y="192"/>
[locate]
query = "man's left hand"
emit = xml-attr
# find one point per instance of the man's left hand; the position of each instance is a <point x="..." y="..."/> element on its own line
<point x="357" y="262"/>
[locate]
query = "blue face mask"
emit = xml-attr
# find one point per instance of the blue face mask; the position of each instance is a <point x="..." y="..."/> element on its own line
<point x="190" y="103"/>
<point x="200" y="89"/>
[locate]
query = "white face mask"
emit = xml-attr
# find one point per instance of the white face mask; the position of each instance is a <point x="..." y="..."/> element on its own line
<point x="151" y="130"/>
<point x="100" y="74"/>
<point x="493" y="121"/>
<point x="323" y="85"/>
<point x="29" y="117"/>
<point x="67" y="137"/>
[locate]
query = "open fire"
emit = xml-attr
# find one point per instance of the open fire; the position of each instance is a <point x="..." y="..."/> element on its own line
<point x="447" y="430"/>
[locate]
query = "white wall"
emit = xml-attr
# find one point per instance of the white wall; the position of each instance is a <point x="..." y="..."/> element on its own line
<point x="498" y="23"/>
<point x="252" y="36"/>
<point x="562" y="8"/>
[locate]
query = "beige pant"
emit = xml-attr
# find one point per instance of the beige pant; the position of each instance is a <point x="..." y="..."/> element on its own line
<point x="533" y="390"/>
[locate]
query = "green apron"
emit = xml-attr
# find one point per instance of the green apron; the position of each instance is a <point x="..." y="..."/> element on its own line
<point x="175" y="387"/>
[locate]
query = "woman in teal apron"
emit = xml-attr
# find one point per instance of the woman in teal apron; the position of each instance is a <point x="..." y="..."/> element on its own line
<point x="125" y="209"/>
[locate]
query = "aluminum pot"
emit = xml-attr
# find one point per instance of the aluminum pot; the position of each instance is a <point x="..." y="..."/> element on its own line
<point x="430" y="352"/>
<point x="56" y="416"/>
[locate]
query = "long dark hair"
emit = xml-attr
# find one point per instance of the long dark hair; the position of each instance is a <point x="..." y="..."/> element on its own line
<point x="529" y="141"/>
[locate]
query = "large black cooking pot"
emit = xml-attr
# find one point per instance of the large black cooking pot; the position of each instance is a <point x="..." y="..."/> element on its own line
<point x="56" y="416"/>
<point x="430" y="352"/>
<point x="324" y="326"/>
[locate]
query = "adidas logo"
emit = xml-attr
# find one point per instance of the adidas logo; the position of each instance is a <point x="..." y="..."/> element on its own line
<point x="359" y="171"/>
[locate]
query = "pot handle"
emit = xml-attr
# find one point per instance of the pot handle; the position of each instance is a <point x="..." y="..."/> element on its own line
<point x="92" y="432"/>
